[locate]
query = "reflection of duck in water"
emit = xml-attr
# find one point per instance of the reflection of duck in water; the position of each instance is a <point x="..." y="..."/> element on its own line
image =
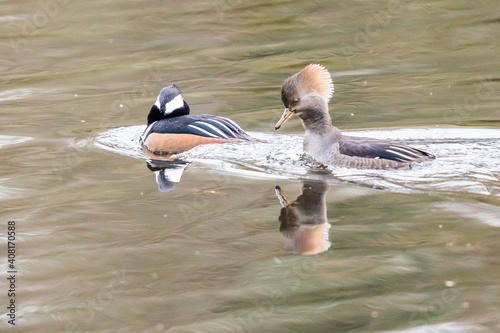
<point x="168" y="172"/>
<point x="303" y="221"/>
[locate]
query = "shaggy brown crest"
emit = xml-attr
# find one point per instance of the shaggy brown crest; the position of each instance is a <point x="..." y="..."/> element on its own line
<point x="313" y="78"/>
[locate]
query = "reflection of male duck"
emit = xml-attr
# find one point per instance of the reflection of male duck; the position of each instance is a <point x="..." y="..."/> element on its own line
<point x="168" y="172"/>
<point x="304" y="222"/>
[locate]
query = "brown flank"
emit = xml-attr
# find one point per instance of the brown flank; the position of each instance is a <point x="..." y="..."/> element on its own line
<point x="176" y="143"/>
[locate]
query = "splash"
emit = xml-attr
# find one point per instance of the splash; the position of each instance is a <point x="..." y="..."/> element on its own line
<point x="468" y="159"/>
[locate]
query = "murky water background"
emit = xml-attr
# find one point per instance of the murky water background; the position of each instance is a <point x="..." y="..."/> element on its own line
<point x="101" y="249"/>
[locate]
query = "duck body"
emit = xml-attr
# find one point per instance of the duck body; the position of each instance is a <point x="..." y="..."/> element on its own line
<point x="333" y="148"/>
<point x="307" y="94"/>
<point x="172" y="130"/>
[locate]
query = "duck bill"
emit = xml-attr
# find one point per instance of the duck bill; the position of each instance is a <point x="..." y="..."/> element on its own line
<point x="284" y="118"/>
<point x="282" y="197"/>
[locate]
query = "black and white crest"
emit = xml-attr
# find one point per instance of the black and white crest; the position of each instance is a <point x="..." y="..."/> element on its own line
<point x="169" y="99"/>
<point x="169" y="103"/>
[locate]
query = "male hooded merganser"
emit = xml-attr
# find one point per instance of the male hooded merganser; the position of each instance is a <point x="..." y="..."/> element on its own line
<point x="172" y="130"/>
<point x="307" y="94"/>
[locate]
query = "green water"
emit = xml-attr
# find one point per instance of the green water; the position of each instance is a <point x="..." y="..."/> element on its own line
<point x="100" y="249"/>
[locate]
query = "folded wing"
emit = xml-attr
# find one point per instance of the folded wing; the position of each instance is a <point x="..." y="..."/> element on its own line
<point x="372" y="148"/>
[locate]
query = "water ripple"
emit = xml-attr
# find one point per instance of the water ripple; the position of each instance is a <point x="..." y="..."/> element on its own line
<point x="468" y="159"/>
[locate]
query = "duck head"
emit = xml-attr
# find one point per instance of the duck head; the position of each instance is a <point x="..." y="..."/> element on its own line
<point x="169" y="103"/>
<point x="307" y="94"/>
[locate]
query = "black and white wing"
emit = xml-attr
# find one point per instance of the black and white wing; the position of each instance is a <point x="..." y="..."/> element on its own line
<point x="216" y="127"/>
<point x="208" y="126"/>
<point x="373" y="148"/>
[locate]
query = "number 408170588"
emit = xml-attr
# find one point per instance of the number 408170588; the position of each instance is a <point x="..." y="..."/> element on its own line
<point x="11" y="245"/>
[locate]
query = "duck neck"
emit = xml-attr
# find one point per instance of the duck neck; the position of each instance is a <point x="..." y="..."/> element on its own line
<point x="321" y="138"/>
<point x="317" y="118"/>
<point x="156" y="114"/>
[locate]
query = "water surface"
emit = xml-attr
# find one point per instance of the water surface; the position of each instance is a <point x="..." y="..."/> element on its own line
<point x="102" y="249"/>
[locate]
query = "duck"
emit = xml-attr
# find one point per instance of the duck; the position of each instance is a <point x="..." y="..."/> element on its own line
<point x="304" y="221"/>
<point x="307" y="94"/>
<point x="172" y="130"/>
<point x="168" y="172"/>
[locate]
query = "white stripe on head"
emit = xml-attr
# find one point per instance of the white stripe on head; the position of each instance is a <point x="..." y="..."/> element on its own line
<point x="173" y="105"/>
<point x="157" y="103"/>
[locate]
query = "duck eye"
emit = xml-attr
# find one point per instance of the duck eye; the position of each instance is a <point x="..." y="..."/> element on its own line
<point x="295" y="101"/>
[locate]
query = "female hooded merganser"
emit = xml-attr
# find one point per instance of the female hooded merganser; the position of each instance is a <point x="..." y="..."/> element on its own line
<point x="172" y="130"/>
<point x="307" y="94"/>
<point x="304" y="221"/>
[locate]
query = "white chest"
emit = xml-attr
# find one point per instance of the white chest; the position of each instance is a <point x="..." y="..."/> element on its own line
<point x="320" y="148"/>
